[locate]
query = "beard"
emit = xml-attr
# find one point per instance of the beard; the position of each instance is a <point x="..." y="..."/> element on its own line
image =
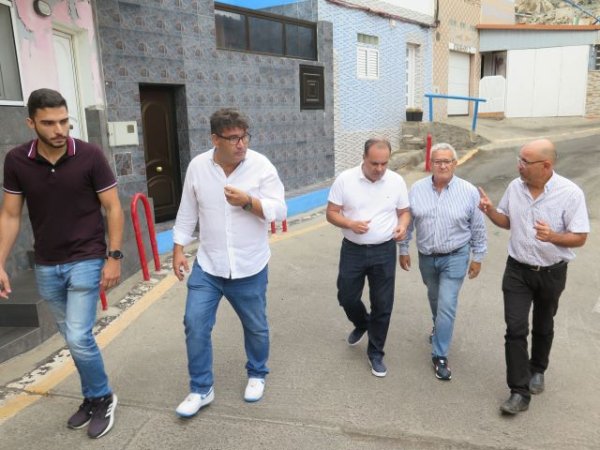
<point x="51" y="143"/>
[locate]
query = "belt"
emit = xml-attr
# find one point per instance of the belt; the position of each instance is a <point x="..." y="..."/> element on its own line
<point x="437" y="255"/>
<point x="536" y="268"/>
<point x="348" y="241"/>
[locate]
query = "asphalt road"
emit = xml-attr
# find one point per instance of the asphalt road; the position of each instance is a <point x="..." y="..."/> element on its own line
<point x="320" y="393"/>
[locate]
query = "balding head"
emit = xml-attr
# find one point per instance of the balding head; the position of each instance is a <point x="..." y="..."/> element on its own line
<point x="541" y="149"/>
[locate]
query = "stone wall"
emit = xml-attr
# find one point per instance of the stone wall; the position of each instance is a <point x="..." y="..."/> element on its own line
<point x="592" y="104"/>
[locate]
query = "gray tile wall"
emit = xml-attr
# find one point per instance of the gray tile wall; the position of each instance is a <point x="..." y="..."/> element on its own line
<point x="173" y="43"/>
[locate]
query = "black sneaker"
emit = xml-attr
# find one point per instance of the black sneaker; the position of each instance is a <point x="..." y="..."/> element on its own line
<point x="355" y="337"/>
<point x="442" y="371"/>
<point x="103" y="416"/>
<point x="378" y="367"/>
<point x="83" y="415"/>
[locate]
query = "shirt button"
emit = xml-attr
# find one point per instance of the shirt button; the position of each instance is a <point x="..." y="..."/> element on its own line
<point x="52" y="170"/>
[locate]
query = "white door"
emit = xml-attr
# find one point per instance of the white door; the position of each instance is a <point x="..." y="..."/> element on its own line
<point x="459" y="65"/>
<point x="67" y="80"/>
<point x="547" y="82"/>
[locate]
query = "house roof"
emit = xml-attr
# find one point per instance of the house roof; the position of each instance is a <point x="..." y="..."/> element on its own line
<point x="536" y="27"/>
<point x="387" y="10"/>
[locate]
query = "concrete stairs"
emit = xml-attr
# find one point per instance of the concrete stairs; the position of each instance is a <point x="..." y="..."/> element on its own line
<point x="25" y="320"/>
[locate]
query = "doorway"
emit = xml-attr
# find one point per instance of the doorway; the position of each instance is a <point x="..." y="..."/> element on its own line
<point x="161" y="150"/>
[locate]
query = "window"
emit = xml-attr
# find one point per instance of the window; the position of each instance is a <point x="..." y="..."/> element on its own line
<point x="312" y="87"/>
<point x="10" y="81"/>
<point x="367" y="39"/>
<point x="597" y="57"/>
<point x="411" y="75"/>
<point x="260" y="32"/>
<point x="367" y="63"/>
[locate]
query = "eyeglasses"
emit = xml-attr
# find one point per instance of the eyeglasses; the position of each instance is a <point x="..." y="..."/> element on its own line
<point x="235" y="140"/>
<point x="442" y="162"/>
<point x="524" y="163"/>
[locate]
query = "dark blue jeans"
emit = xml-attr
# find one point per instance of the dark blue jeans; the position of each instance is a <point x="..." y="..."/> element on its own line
<point x="378" y="264"/>
<point x="523" y="288"/>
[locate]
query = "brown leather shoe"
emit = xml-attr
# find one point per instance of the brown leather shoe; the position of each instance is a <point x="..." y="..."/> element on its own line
<point x="515" y="404"/>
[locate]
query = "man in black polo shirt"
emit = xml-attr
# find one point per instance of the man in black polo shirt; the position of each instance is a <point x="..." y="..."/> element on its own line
<point x="65" y="183"/>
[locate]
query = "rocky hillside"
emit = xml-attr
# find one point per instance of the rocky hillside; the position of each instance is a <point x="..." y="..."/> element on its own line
<point x="555" y="11"/>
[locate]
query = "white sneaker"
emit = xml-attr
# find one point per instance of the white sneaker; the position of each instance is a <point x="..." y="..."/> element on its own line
<point x="193" y="402"/>
<point x="254" y="389"/>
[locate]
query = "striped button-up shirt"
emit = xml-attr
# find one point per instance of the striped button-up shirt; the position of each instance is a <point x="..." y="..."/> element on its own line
<point x="446" y="221"/>
<point x="561" y="205"/>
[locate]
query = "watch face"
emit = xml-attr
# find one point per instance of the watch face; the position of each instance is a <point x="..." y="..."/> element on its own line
<point x="116" y="254"/>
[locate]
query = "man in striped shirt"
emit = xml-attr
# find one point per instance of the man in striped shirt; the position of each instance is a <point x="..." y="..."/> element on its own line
<point x="450" y="232"/>
<point x="547" y="217"/>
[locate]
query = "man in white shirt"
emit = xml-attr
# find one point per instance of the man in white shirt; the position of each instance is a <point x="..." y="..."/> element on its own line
<point x="232" y="193"/>
<point x="547" y="217"/>
<point x="370" y="204"/>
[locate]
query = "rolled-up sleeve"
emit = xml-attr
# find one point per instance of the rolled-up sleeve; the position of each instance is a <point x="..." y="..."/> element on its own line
<point x="187" y="215"/>
<point x="478" y="234"/>
<point x="272" y="196"/>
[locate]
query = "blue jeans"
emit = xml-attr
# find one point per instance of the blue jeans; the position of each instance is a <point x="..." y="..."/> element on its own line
<point x="72" y="292"/>
<point x="443" y="276"/>
<point x="248" y="297"/>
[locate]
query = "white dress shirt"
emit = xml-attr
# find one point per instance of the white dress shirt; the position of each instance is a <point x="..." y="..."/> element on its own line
<point x="233" y="242"/>
<point x="362" y="199"/>
<point x="561" y="205"/>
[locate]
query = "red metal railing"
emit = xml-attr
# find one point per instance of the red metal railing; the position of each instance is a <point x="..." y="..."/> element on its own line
<point x="283" y="227"/>
<point x="428" y="154"/>
<point x="103" y="300"/>
<point x="138" y="234"/>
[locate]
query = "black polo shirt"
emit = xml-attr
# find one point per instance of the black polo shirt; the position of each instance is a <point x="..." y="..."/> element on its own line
<point x="62" y="199"/>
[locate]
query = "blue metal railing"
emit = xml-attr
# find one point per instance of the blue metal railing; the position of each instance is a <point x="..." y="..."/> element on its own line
<point x="456" y="97"/>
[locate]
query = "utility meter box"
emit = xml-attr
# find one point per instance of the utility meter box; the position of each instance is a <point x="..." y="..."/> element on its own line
<point x="122" y="133"/>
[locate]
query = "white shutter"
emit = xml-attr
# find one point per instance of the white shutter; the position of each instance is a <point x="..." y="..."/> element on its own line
<point x="367" y="63"/>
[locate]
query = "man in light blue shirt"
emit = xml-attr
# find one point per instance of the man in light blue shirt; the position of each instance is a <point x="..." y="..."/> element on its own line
<point x="450" y="228"/>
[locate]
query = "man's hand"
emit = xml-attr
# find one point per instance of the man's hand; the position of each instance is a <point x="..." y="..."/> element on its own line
<point x="543" y="231"/>
<point x="236" y="197"/>
<point x="485" y="204"/>
<point x="180" y="264"/>
<point x="111" y="273"/>
<point x="359" y="226"/>
<point x="474" y="269"/>
<point x="4" y="284"/>
<point x="404" y="262"/>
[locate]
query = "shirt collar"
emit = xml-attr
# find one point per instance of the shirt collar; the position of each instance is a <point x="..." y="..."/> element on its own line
<point x="362" y="176"/>
<point x="445" y="187"/>
<point x="33" y="153"/>
<point x="549" y="184"/>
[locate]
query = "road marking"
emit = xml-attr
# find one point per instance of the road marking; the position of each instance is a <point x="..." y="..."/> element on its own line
<point x="51" y="379"/>
<point x="467" y="156"/>
<point x="596" y="307"/>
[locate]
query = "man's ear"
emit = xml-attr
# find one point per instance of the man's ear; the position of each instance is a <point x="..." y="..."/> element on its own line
<point x="30" y="123"/>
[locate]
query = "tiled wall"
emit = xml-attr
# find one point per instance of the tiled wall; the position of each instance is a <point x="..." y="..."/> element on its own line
<point x="364" y="108"/>
<point x="458" y="19"/>
<point x="173" y="42"/>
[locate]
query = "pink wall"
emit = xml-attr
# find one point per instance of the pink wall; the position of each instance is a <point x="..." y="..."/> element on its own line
<point x="34" y="35"/>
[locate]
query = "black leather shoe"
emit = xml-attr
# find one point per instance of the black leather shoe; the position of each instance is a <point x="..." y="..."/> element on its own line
<point x="536" y="384"/>
<point x="515" y="404"/>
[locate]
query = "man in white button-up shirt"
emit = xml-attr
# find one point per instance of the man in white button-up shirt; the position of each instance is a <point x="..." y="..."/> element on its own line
<point x="232" y="193"/>
<point x="370" y="204"/>
<point x="547" y="217"/>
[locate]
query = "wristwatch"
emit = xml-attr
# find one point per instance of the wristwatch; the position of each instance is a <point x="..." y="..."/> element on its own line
<point x="248" y="206"/>
<point x="115" y="254"/>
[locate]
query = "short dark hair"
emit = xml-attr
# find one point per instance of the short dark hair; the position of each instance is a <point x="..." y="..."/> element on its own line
<point x="44" y="98"/>
<point x="373" y="141"/>
<point x="227" y="118"/>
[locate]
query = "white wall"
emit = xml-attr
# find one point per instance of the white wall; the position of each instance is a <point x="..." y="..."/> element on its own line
<point x="493" y="89"/>
<point x="546" y="82"/>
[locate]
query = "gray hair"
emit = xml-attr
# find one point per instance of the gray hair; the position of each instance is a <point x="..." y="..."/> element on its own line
<point x="444" y="146"/>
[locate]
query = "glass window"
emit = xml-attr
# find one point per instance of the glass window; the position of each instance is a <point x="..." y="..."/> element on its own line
<point x="266" y="36"/>
<point x="300" y="41"/>
<point x="231" y="30"/>
<point x="10" y="81"/>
